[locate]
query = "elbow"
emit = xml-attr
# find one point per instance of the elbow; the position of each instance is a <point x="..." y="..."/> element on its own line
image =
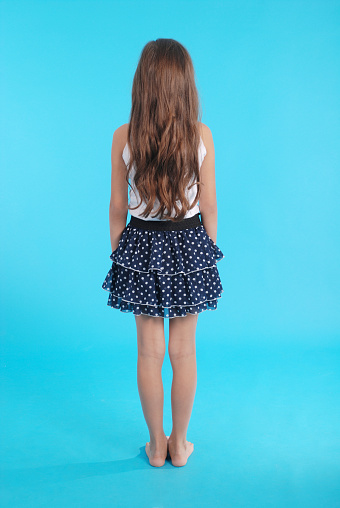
<point x="210" y="209"/>
<point x="118" y="208"/>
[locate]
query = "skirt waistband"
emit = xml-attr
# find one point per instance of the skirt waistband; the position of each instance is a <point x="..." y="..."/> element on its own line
<point x="166" y="225"/>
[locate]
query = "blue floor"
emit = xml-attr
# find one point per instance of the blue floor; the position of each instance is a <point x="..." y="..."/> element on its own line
<point x="265" y="426"/>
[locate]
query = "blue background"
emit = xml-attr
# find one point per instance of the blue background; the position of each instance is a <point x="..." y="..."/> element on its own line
<point x="265" y="422"/>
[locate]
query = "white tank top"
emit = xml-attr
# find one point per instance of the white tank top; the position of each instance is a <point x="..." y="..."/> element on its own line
<point x="134" y="194"/>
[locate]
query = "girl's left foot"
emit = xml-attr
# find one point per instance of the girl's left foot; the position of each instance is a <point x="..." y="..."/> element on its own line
<point x="157" y="453"/>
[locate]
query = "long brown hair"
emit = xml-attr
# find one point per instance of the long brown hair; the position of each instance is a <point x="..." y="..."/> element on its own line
<point x="163" y="135"/>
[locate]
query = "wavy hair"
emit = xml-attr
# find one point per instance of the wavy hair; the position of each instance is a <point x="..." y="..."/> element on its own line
<point x="163" y="135"/>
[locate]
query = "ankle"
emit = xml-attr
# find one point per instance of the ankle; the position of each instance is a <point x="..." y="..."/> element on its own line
<point x="158" y="439"/>
<point x="177" y="440"/>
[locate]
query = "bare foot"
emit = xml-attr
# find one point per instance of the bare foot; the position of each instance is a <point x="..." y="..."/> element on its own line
<point x="179" y="453"/>
<point x="157" y="455"/>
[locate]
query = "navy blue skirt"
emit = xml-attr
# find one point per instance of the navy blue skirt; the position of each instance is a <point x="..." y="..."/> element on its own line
<point x="164" y="269"/>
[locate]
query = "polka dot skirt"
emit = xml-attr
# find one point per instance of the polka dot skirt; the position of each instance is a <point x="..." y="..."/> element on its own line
<point x="164" y="273"/>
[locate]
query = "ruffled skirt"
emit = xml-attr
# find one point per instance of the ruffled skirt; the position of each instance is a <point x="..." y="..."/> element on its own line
<point x="164" y="273"/>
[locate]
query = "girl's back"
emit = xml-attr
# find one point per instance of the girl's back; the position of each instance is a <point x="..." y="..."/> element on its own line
<point x="208" y="196"/>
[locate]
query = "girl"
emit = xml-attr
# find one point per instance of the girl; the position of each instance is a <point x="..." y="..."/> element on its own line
<point x="164" y="260"/>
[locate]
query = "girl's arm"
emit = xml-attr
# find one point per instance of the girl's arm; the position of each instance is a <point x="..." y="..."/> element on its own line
<point x="118" y="209"/>
<point x="208" y="201"/>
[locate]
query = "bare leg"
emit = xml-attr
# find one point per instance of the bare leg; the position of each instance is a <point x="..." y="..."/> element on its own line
<point x="151" y="352"/>
<point x="182" y="353"/>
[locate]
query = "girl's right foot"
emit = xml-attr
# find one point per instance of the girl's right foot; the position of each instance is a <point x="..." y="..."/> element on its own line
<point x="179" y="452"/>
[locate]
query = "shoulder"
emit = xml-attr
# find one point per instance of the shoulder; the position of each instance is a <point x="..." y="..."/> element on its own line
<point x="119" y="140"/>
<point x="120" y="137"/>
<point x="206" y="136"/>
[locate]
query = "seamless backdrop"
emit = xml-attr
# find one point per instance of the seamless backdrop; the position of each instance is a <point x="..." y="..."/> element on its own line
<point x="268" y="74"/>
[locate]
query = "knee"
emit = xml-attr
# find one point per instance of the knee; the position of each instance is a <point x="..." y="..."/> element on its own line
<point x="181" y="348"/>
<point x="151" y="348"/>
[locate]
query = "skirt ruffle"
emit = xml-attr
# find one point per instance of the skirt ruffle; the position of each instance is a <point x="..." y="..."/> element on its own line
<point x="164" y="273"/>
